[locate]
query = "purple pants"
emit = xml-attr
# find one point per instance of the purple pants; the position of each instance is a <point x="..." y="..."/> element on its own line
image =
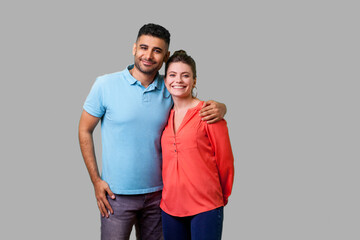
<point x="141" y="210"/>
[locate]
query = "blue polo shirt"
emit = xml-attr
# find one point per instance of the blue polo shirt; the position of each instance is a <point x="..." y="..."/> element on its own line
<point x="132" y="120"/>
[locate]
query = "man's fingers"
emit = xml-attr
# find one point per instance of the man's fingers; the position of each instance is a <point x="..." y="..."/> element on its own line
<point x="204" y="112"/>
<point x="209" y="117"/>
<point x="206" y="103"/>
<point x="102" y="209"/>
<point x="214" y="120"/>
<point x="110" y="193"/>
<point x="102" y="189"/>
<point x="207" y="111"/>
<point x="206" y="107"/>
<point x="108" y="206"/>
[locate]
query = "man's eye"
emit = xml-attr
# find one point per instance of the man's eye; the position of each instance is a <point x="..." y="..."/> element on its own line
<point x="157" y="51"/>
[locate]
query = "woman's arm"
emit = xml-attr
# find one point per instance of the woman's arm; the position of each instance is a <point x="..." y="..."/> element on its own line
<point x="220" y="142"/>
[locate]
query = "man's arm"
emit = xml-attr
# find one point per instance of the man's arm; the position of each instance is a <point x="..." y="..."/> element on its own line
<point x="86" y="127"/>
<point x="212" y="111"/>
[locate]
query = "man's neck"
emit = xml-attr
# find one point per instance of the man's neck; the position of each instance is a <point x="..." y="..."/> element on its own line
<point x="145" y="79"/>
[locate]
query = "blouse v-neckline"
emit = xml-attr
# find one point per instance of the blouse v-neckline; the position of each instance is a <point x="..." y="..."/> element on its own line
<point x="189" y="113"/>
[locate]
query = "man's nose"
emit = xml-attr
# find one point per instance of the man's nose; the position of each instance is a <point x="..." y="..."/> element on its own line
<point x="148" y="55"/>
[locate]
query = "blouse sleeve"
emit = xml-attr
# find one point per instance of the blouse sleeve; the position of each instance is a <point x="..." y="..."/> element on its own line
<point x="220" y="142"/>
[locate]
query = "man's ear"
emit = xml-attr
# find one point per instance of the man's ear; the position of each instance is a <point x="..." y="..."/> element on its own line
<point x="134" y="49"/>
<point x="167" y="56"/>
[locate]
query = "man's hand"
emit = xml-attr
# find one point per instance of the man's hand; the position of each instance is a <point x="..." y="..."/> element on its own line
<point x="101" y="189"/>
<point x="87" y="125"/>
<point x="212" y="111"/>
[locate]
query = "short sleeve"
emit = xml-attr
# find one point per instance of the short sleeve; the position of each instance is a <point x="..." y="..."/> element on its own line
<point x="94" y="104"/>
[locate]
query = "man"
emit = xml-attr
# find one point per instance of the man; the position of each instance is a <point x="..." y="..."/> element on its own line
<point x="133" y="106"/>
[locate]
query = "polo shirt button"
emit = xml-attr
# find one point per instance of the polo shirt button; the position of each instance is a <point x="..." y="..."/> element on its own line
<point x="175" y="150"/>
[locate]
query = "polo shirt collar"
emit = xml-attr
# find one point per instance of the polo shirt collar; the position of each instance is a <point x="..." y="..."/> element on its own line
<point x="157" y="83"/>
<point x="130" y="77"/>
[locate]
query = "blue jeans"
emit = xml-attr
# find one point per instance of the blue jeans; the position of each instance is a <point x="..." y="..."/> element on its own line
<point x="202" y="226"/>
<point x="141" y="210"/>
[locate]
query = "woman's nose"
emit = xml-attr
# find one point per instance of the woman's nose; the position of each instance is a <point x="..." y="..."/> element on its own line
<point x="178" y="79"/>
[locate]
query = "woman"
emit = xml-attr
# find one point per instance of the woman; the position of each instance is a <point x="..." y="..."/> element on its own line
<point x="198" y="167"/>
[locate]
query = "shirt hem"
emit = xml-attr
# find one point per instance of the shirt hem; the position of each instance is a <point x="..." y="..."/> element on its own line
<point x="191" y="213"/>
<point x="136" y="191"/>
<point x="91" y="112"/>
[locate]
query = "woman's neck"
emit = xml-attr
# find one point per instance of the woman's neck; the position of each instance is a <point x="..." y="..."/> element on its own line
<point x="181" y="104"/>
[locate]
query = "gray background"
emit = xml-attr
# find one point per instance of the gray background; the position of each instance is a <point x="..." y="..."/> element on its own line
<point x="288" y="72"/>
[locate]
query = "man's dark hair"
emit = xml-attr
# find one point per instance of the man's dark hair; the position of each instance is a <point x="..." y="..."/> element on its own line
<point x="155" y="31"/>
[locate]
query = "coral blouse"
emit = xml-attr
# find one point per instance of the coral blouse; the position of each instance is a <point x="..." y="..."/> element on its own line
<point x="198" y="165"/>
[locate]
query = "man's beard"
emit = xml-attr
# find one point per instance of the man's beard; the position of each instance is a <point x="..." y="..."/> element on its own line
<point x="148" y="71"/>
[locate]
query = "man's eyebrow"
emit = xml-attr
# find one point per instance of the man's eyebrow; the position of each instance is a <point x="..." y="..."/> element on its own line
<point x="157" y="48"/>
